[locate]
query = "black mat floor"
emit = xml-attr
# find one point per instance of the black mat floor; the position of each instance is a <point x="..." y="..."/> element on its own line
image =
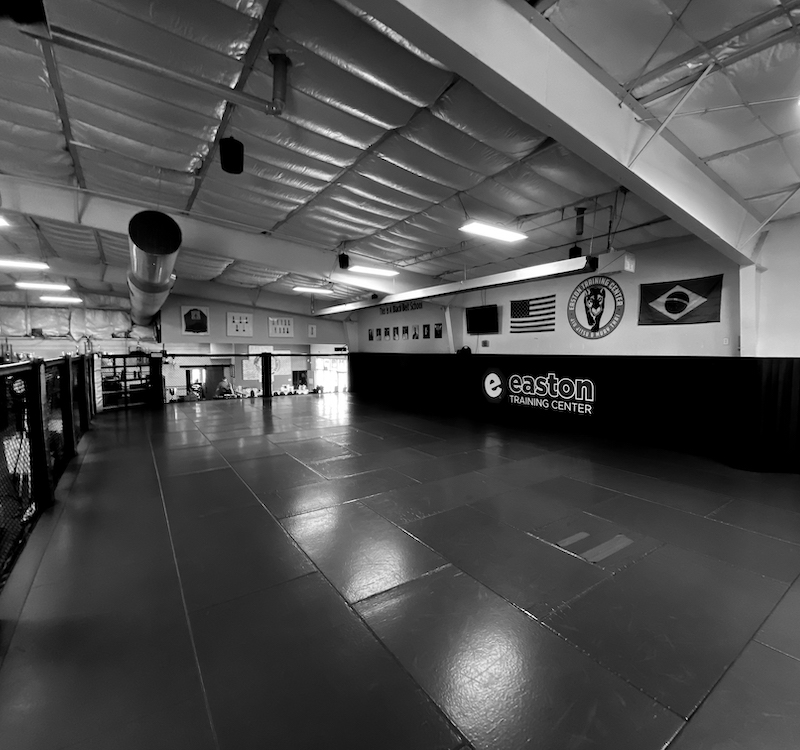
<point x="317" y="573"/>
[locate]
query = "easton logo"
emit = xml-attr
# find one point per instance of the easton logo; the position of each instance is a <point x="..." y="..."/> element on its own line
<point x="576" y="395"/>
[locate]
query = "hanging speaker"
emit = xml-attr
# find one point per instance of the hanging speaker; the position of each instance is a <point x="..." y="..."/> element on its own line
<point x="344" y="262"/>
<point x="231" y="155"/>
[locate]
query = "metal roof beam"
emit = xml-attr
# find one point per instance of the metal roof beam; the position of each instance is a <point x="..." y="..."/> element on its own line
<point x="704" y="48"/>
<point x="503" y="47"/>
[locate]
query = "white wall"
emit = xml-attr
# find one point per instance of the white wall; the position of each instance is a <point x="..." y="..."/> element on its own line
<point x="669" y="262"/>
<point x="772" y="294"/>
<point x="391" y="316"/>
<point x="328" y="331"/>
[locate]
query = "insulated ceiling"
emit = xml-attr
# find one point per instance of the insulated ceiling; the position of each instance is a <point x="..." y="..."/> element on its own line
<point x="723" y="74"/>
<point x="380" y="150"/>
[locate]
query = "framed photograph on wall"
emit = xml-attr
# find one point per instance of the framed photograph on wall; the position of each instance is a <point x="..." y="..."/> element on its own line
<point x="405" y="333"/>
<point x="386" y="334"/>
<point x="426" y="330"/>
<point x="415" y="332"/>
<point x="396" y="333"/>
<point x="377" y="334"/>
<point x="194" y="321"/>
<point x="239" y="324"/>
<point x="437" y="330"/>
<point x="369" y="334"/>
<point x="281" y="328"/>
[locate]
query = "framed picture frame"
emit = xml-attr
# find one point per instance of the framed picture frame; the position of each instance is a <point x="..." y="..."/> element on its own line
<point x="194" y="320"/>
<point x="281" y="328"/>
<point x="239" y="324"/>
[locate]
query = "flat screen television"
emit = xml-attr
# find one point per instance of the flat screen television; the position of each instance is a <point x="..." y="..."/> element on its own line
<point x="485" y="319"/>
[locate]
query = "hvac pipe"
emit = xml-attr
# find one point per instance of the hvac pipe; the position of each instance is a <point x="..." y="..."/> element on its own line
<point x="154" y="239"/>
<point x="280" y="72"/>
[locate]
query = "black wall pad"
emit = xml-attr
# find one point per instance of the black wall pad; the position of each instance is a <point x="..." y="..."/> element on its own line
<point x="742" y="411"/>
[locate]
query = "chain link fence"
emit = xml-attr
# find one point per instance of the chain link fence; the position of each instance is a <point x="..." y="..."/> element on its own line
<point x="18" y="511"/>
<point x="54" y="420"/>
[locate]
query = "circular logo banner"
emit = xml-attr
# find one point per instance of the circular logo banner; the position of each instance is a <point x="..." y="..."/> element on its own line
<point x="595" y="307"/>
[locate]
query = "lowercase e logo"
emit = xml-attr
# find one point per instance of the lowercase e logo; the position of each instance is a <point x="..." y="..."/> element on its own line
<point x="493" y="386"/>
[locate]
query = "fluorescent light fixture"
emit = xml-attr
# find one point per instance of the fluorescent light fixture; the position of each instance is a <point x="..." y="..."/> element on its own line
<point x="68" y="300"/>
<point x="496" y="233"/>
<point x="4" y="222"/>
<point x="33" y="265"/>
<point x="313" y="289"/>
<point x="584" y="264"/>
<point x="373" y="271"/>
<point x="42" y="285"/>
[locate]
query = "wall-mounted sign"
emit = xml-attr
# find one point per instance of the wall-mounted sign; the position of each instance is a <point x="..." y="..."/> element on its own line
<point x="595" y="307"/>
<point x="399" y="307"/>
<point x="281" y="328"/>
<point x="312" y="330"/>
<point x="550" y="392"/>
<point x="239" y="324"/>
<point x="194" y="321"/>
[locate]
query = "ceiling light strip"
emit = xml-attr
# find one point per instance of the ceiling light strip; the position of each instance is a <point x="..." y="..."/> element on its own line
<point x="42" y="285"/>
<point x="19" y="263"/>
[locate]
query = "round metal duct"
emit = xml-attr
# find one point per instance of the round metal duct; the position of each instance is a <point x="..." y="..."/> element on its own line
<point x="154" y="239"/>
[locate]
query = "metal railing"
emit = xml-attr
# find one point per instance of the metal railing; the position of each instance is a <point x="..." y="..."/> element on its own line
<point x="44" y="409"/>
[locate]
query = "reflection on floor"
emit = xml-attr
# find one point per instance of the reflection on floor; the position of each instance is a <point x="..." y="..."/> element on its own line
<point x="320" y="573"/>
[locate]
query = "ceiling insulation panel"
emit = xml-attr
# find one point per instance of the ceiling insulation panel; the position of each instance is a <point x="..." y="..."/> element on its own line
<point x="564" y="168"/>
<point x="524" y="181"/>
<point x="242" y="273"/>
<point x="621" y="36"/>
<point x="328" y="83"/>
<point x="420" y="161"/>
<point x="293" y="137"/>
<point x="192" y="50"/>
<point x="69" y="241"/>
<point x="454" y="145"/>
<point x="93" y="78"/>
<point x="116" y="249"/>
<point x="344" y="198"/>
<point x="402" y="180"/>
<point x="336" y="35"/>
<point x="271" y="155"/>
<point x="391" y="33"/>
<point x="247" y="201"/>
<point x="360" y="220"/>
<point x="757" y="171"/>
<point x="317" y="116"/>
<point x="363" y="186"/>
<point x="199" y="266"/>
<point x="31" y="137"/>
<point x="260" y="190"/>
<point x="464" y="107"/>
<point x="237" y="213"/>
<point x="495" y="194"/>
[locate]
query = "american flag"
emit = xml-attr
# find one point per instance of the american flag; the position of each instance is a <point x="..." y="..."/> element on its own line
<point x="537" y="315"/>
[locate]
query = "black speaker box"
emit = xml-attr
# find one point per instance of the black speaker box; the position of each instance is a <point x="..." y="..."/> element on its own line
<point x="231" y="155"/>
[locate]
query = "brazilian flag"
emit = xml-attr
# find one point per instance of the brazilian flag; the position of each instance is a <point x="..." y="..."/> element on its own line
<point x="681" y="302"/>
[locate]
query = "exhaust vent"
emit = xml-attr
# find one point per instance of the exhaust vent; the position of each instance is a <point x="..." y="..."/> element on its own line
<point x="154" y="239"/>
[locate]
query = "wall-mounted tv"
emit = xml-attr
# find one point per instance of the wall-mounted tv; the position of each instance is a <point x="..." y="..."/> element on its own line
<point x="485" y="319"/>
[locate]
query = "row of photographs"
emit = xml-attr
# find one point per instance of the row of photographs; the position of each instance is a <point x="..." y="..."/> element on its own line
<point x="397" y="333"/>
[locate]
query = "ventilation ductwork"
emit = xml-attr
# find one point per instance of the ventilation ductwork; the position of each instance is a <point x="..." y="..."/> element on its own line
<point x="280" y="73"/>
<point x="154" y="239"/>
